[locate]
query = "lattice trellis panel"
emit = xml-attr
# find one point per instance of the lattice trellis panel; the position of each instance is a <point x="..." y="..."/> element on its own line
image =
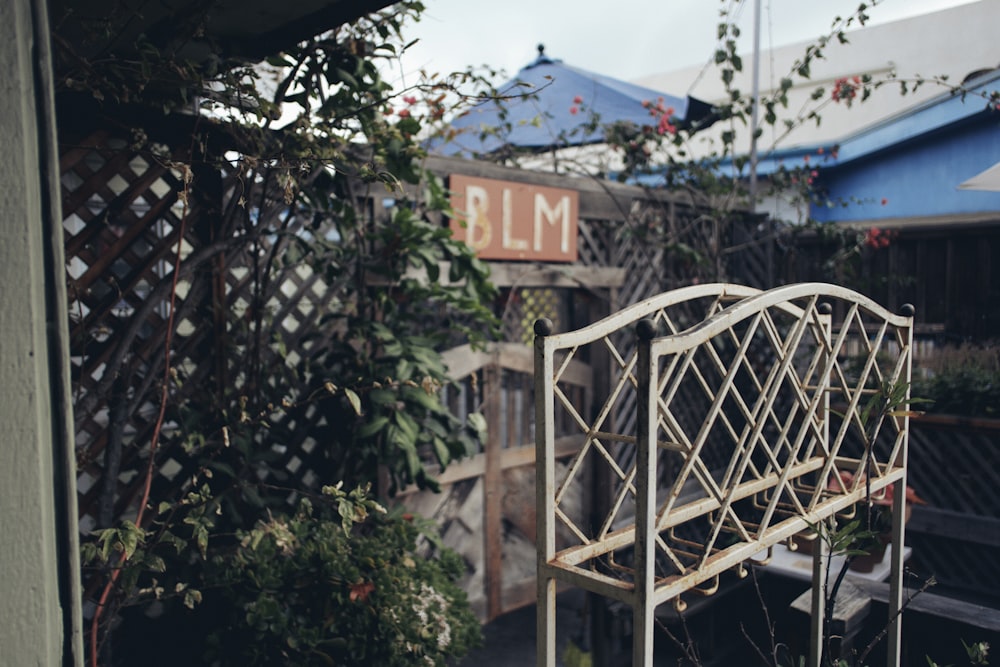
<point x="755" y="378"/>
<point x="123" y="212"/>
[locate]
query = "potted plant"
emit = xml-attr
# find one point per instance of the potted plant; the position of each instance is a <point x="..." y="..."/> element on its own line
<point x="872" y="522"/>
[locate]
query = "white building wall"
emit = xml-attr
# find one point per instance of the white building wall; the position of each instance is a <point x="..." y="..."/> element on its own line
<point x="953" y="42"/>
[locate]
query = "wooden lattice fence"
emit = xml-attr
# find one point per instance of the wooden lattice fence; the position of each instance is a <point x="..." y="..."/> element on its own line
<point x="956" y="536"/>
<point x="244" y="306"/>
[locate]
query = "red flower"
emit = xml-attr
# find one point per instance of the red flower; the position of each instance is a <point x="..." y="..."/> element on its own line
<point x="361" y="591"/>
<point x="577" y="100"/>
<point x="404" y="113"/>
<point x="884" y="201"/>
<point x="574" y="110"/>
<point x="877" y="238"/>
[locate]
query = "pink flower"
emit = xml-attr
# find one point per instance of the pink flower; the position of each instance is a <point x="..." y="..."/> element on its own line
<point x="574" y="110"/>
<point x="409" y="99"/>
<point x="404" y="113"/>
<point x="665" y="126"/>
<point x="577" y="100"/>
<point x="844" y="90"/>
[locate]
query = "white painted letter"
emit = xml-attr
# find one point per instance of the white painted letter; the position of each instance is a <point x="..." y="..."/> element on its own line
<point x="510" y="243"/>
<point x="544" y="212"/>
<point x="478" y="209"/>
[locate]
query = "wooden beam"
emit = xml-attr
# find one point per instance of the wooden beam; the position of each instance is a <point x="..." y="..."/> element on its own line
<point x="555" y="275"/>
<point x="953" y="525"/>
<point x="939" y="606"/>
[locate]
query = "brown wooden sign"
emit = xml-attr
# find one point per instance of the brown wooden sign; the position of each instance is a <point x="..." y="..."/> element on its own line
<point x="507" y="220"/>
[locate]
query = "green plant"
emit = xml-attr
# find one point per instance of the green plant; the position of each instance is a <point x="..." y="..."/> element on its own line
<point x="961" y="380"/>
<point x="303" y="201"/>
<point x="977" y="653"/>
<point x="339" y="583"/>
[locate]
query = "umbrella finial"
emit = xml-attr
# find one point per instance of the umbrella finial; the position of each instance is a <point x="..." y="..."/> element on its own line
<point x="542" y="59"/>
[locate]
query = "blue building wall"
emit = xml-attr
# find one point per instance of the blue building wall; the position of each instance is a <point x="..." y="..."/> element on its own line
<point x="916" y="178"/>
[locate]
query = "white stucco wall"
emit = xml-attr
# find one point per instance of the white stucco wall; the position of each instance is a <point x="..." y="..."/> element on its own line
<point x="39" y="580"/>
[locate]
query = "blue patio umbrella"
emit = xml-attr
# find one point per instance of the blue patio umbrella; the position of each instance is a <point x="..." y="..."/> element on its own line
<point x="550" y="104"/>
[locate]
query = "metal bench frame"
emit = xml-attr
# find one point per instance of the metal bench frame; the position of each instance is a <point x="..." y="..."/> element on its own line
<point x="807" y="370"/>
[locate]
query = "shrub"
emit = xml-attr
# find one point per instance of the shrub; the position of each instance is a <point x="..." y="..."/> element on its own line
<point x="351" y="588"/>
<point x="963" y="380"/>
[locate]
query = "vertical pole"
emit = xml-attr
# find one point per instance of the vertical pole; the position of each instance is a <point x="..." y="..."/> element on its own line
<point x="39" y="564"/>
<point x="493" y="489"/>
<point x="645" y="500"/>
<point x="544" y="496"/>
<point x="821" y="550"/>
<point x="754" y="111"/>
<point x="600" y="503"/>
<point x="895" y="635"/>
<point x="821" y="554"/>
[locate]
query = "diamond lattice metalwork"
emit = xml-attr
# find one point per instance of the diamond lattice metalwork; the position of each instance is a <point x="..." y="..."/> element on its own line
<point x="752" y="409"/>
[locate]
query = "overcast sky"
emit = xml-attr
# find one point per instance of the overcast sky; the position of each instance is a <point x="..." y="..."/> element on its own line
<point x="626" y="39"/>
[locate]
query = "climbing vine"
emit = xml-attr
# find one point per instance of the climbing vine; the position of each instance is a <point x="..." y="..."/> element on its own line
<point x="307" y="162"/>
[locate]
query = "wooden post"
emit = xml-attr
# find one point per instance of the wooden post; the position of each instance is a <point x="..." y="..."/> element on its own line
<point x="493" y="490"/>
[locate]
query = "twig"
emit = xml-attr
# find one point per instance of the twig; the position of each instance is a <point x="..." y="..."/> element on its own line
<point x="154" y="441"/>
<point x="885" y="630"/>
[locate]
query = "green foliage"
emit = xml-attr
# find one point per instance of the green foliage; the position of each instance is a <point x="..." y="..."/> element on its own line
<point x="961" y="381"/>
<point x="977" y="653"/>
<point x="341" y="583"/>
<point x="337" y="193"/>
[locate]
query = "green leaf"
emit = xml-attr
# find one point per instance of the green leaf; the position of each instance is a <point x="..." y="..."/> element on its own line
<point x="441" y="451"/>
<point x="129" y="535"/>
<point x="407" y="426"/>
<point x="382" y="396"/>
<point x="478" y="422"/>
<point x="201" y="539"/>
<point x="354" y="400"/>
<point x="191" y="598"/>
<point x="374" y="426"/>
<point x="155" y="563"/>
